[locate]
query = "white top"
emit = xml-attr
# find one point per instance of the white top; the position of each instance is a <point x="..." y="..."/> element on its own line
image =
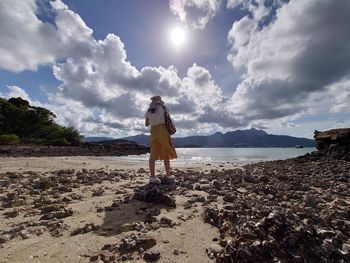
<point x="157" y="117"/>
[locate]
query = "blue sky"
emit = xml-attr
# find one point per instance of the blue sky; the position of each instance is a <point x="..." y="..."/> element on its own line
<point x="242" y="63"/>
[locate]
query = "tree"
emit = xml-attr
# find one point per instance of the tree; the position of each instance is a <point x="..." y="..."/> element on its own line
<point x="35" y="124"/>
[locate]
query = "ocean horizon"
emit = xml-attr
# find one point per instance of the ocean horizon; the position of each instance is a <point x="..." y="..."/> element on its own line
<point x="236" y="155"/>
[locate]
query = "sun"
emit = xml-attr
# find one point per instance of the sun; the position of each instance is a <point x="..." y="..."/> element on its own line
<point x="177" y="37"/>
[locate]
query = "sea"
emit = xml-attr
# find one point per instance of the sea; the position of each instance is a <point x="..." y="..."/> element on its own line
<point x="232" y="155"/>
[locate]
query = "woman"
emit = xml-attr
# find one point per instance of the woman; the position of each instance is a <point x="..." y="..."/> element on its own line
<point x="161" y="145"/>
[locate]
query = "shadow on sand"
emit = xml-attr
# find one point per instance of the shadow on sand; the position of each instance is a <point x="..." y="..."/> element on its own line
<point x="146" y="202"/>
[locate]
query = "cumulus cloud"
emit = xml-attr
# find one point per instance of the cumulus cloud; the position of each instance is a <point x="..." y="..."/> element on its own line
<point x="195" y="12"/>
<point x="101" y="91"/>
<point x="27" y="42"/>
<point x="289" y="52"/>
<point x="303" y="50"/>
<point x="15" y="92"/>
<point x="340" y="92"/>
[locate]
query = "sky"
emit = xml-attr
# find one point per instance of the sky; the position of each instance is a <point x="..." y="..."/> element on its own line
<point x="219" y="65"/>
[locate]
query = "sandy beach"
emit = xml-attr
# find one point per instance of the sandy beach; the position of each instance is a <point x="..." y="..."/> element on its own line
<point x="41" y="246"/>
<point x="46" y="164"/>
<point x="98" y="209"/>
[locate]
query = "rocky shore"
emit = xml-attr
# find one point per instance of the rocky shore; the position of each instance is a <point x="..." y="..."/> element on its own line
<point x="296" y="210"/>
<point x="104" y="148"/>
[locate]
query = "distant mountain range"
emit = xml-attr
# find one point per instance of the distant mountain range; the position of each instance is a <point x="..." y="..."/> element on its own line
<point x="238" y="138"/>
<point x="97" y="139"/>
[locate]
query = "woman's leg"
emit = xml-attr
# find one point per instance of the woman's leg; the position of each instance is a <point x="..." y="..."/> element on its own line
<point x="152" y="164"/>
<point x="167" y="165"/>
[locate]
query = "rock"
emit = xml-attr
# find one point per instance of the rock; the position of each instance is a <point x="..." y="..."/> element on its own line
<point x="57" y="228"/>
<point x="187" y="205"/>
<point x="12" y="214"/>
<point x="51" y="208"/>
<point x="151" y="255"/>
<point x="241" y="190"/>
<point x="94" y="258"/>
<point x="107" y="257"/>
<point x="87" y="228"/>
<point x="58" y="214"/>
<point x="133" y="243"/>
<point x="98" y="192"/>
<point x="216" y="184"/>
<point x="229" y="197"/>
<point x="334" y="143"/>
<point x="24" y="234"/>
<point x="154" y="195"/>
<point x="149" y="218"/>
<point x="199" y="199"/>
<point x="4" y="238"/>
<point x="215" y="248"/>
<point x="104" y="148"/>
<point x="166" y="222"/>
<point x="43" y="184"/>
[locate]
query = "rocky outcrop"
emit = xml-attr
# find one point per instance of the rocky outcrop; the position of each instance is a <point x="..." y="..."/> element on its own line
<point x="104" y="148"/>
<point x="334" y="143"/>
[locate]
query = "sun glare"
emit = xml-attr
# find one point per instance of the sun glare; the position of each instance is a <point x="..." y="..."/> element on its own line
<point x="178" y="37"/>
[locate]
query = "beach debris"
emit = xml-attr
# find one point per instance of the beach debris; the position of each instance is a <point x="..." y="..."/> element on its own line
<point x="58" y="214"/>
<point x="98" y="192"/>
<point x="57" y="228"/>
<point x="290" y="210"/>
<point x="12" y="214"/>
<point x="85" y="229"/>
<point x="124" y="249"/>
<point x="155" y="194"/>
<point x="151" y="255"/>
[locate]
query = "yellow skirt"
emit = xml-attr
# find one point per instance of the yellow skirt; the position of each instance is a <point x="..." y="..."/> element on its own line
<point x="161" y="145"/>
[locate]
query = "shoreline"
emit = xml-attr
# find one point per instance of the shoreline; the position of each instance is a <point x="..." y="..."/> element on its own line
<point x="86" y="209"/>
<point x="16" y="164"/>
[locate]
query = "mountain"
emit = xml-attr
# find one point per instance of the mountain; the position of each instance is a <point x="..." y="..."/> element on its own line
<point x="96" y="139"/>
<point x="238" y="138"/>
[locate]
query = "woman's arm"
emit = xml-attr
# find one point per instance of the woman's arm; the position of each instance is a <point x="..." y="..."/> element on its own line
<point x="146" y="122"/>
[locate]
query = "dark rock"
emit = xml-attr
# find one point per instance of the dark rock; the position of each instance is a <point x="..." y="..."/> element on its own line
<point x="151" y="255"/>
<point x="154" y="195"/>
<point x="149" y="218"/>
<point x="87" y="228"/>
<point x="133" y="243"/>
<point x="58" y="214"/>
<point x="216" y="184"/>
<point x="334" y="143"/>
<point x="166" y="222"/>
<point x="105" y="148"/>
<point x="12" y="214"/>
<point x="98" y="192"/>
<point x="94" y="258"/>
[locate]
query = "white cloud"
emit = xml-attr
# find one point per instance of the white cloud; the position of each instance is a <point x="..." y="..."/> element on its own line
<point x="340" y="93"/>
<point x="302" y="51"/>
<point x="102" y="91"/>
<point x="196" y="13"/>
<point x="291" y="65"/>
<point x="27" y="42"/>
<point x="15" y="92"/>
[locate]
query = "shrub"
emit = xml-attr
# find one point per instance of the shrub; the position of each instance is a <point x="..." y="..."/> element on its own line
<point x="9" y="138"/>
<point x="34" y="140"/>
<point x="59" y="142"/>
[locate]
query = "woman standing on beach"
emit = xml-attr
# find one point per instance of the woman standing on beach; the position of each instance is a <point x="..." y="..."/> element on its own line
<point x="160" y="142"/>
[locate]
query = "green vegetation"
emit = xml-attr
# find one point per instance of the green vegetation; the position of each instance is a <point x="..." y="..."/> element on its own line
<point x="9" y="138"/>
<point x="21" y="122"/>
